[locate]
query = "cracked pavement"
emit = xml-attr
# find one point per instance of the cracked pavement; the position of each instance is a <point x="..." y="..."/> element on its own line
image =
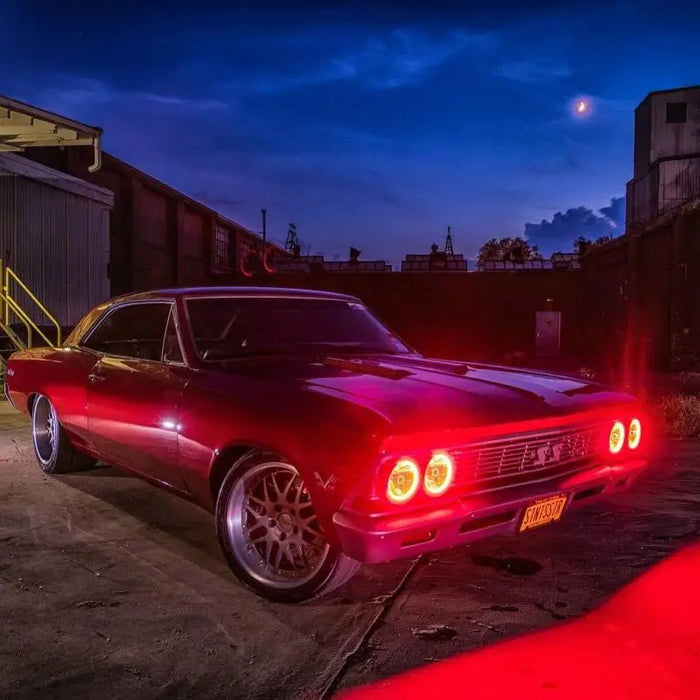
<point x="111" y="588"/>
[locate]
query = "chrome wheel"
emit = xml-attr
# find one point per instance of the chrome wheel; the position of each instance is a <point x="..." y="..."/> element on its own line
<point x="272" y="526"/>
<point x="45" y="430"/>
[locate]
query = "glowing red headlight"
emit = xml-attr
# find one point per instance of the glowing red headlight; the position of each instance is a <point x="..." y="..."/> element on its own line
<point x="617" y="437"/>
<point x="403" y="481"/>
<point x="635" y="434"/>
<point x="438" y="474"/>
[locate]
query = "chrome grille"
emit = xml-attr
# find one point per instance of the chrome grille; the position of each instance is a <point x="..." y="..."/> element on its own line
<point x="528" y="454"/>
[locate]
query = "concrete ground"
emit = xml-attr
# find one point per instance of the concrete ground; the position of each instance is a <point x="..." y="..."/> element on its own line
<point x="110" y="588"/>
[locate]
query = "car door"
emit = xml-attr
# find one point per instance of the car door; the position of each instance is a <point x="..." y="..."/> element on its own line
<point x="135" y="388"/>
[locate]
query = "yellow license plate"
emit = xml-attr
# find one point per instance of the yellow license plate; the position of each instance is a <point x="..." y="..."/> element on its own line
<point x="543" y="511"/>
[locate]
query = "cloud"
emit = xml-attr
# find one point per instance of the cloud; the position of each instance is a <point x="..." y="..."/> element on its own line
<point x="382" y="62"/>
<point x="68" y="93"/>
<point x="559" y="233"/>
<point x="538" y="70"/>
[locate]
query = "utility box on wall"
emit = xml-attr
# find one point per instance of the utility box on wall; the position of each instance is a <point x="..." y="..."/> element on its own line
<point x="547" y="333"/>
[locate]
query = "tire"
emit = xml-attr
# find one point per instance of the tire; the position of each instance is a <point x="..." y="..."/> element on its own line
<point x="52" y="447"/>
<point x="270" y="536"/>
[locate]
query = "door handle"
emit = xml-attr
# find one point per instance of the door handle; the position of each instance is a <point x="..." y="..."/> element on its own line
<point x="94" y="378"/>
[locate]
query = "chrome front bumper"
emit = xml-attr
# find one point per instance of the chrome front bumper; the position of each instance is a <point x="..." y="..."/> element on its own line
<point x="376" y="539"/>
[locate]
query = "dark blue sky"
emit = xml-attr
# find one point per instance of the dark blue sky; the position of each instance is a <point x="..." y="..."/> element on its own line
<point x="373" y="125"/>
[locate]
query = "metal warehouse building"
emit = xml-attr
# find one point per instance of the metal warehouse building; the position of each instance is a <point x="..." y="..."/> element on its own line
<point x="78" y="225"/>
<point x="159" y="237"/>
<point x="54" y="233"/>
<point x="54" y="228"/>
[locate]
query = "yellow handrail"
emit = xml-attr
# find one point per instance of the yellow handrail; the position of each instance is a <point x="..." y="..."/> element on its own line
<point x="16" y="340"/>
<point x="26" y="320"/>
<point x="11" y="302"/>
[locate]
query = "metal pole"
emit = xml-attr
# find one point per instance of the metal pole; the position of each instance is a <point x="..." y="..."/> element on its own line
<point x="264" y="213"/>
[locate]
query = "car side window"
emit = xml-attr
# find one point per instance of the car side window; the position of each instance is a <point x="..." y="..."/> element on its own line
<point x="171" y="345"/>
<point x="134" y="330"/>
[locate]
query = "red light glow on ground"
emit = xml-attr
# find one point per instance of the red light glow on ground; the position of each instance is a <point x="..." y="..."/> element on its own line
<point x="643" y="643"/>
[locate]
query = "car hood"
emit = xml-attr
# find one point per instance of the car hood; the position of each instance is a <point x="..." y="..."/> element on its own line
<point x="419" y="393"/>
<point x="416" y="393"/>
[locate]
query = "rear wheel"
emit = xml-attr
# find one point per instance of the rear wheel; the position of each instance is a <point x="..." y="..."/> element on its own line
<point x="52" y="446"/>
<point x="270" y="535"/>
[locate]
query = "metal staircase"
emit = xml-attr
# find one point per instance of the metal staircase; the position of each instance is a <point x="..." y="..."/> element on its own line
<point x="16" y="324"/>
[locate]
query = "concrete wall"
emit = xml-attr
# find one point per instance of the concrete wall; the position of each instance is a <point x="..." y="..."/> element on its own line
<point x="642" y="297"/>
<point x="476" y="316"/>
<point x="674" y="140"/>
<point x="666" y="157"/>
<point x="668" y="185"/>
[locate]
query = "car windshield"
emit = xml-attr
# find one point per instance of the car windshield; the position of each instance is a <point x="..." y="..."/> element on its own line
<point x="230" y="327"/>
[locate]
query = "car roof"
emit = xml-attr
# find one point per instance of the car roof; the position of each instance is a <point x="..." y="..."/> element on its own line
<point x="272" y="292"/>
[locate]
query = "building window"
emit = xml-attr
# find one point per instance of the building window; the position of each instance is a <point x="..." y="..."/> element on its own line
<point x="222" y="248"/>
<point x="676" y="112"/>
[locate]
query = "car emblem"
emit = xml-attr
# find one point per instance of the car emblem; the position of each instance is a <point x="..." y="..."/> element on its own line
<point x="328" y="484"/>
<point x="547" y="454"/>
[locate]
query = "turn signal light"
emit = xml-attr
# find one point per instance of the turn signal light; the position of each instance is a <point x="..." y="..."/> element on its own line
<point x="403" y="481"/>
<point x="617" y="437"/>
<point x="635" y="434"/>
<point x="438" y="474"/>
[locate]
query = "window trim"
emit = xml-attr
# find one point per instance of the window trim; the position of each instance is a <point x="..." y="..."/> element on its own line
<point x="225" y="263"/>
<point x="173" y="315"/>
<point x="140" y="302"/>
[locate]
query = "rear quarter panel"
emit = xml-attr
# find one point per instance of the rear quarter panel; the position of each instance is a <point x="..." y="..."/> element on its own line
<point x="59" y="373"/>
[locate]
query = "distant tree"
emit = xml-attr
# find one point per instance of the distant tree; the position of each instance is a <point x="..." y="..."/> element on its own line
<point x="513" y="249"/>
<point x="582" y="244"/>
<point x="490" y="251"/>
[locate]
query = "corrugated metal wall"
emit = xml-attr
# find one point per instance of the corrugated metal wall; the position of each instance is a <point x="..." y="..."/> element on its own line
<point x="159" y="236"/>
<point x="643" y="199"/>
<point x="196" y="259"/>
<point x="151" y="252"/>
<point x="679" y="182"/>
<point x="57" y="241"/>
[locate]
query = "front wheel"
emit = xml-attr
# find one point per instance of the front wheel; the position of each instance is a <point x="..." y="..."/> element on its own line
<point x="270" y="535"/>
<point x="52" y="446"/>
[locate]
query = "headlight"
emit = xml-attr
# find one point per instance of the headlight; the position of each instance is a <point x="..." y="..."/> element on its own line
<point x="635" y="434"/>
<point x="617" y="437"/>
<point x="403" y="481"/>
<point x="438" y="474"/>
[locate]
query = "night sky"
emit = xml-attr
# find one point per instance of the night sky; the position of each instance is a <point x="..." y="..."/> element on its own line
<point x="373" y="125"/>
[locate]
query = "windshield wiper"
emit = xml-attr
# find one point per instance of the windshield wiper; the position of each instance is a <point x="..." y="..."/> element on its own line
<point x="348" y="347"/>
<point x="321" y="348"/>
<point x="226" y="355"/>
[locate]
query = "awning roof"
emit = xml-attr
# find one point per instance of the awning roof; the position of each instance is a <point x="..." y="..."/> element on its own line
<point x="24" y="126"/>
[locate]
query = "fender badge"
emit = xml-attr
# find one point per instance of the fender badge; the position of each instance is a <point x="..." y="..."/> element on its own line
<point x="329" y="484"/>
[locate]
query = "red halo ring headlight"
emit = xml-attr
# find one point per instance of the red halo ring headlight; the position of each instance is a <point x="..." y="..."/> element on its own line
<point x="438" y="474"/>
<point x="616" y="441"/>
<point x="634" y="434"/>
<point x="403" y="481"/>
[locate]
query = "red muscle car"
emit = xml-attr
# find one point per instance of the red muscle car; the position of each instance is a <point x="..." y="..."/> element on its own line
<point x="317" y="438"/>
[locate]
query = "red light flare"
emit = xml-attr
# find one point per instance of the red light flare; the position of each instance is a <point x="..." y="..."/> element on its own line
<point x="643" y="643"/>
<point x="266" y="264"/>
<point x="416" y="441"/>
<point x="245" y="272"/>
